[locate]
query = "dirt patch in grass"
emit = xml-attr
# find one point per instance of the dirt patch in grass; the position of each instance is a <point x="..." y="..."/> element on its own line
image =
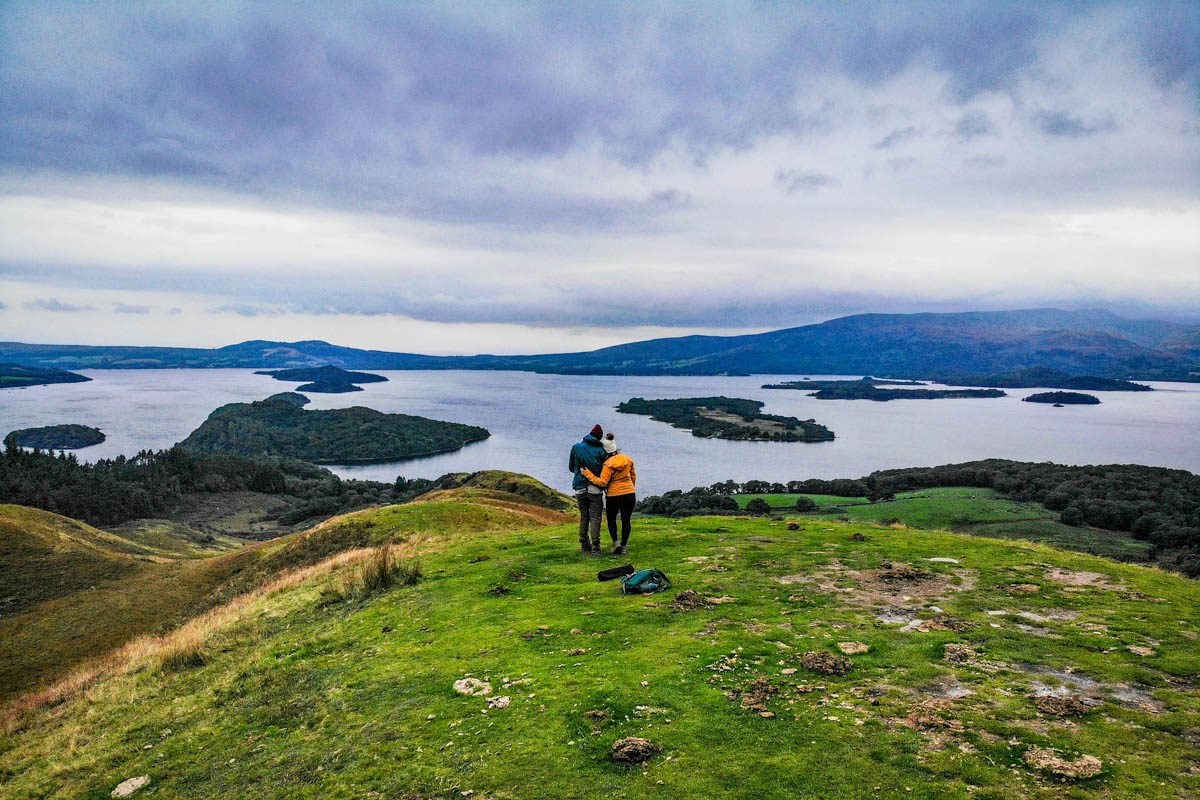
<point x="1061" y="706"/>
<point x="959" y="653"/>
<point x="1051" y="761"/>
<point x="928" y="715"/>
<point x="1068" y="578"/>
<point x="755" y="696"/>
<point x="893" y="573"/>
<point x="826" y="663"/>
<point x="633" y="750"/>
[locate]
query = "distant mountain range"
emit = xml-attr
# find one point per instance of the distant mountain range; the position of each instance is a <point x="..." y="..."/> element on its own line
<point x="1096" y="343"/>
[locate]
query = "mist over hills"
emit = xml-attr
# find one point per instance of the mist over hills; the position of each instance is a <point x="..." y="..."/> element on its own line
<point x="924" y="345"/>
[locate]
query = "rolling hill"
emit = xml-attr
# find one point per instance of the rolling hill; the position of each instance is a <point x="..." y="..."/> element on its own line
<point x="1095" y="343"/>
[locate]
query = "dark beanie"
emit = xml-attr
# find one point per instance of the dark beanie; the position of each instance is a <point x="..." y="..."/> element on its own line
<point x="597" y="431"/>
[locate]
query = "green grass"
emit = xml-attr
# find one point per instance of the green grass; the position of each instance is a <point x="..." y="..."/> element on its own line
<point x="303" y="698"/>
<point x="969" y="510"/>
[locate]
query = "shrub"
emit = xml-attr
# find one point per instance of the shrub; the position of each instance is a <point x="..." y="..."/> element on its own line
<point x="1071" y="515"/>
<point x="758" y="507"/>
<point x="804" y="504"/>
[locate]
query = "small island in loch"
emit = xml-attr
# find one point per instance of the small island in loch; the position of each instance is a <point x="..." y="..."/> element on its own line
<point x="280" y="427"/>
<point x="868" y="389"/>
<point x="727" y="418"/>
<point x="1063" y="399"/>
<point x="55" y="437"/>
<point x="17" y="376"/>
<point x="324" y="380"/>
<point x="1046" y="378"/>
<point x="295" y="398"/>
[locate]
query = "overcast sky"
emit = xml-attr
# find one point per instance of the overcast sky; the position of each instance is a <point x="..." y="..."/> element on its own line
<point x="486" y="177"/>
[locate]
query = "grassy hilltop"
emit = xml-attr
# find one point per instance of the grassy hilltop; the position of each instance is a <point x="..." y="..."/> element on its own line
<point x="976" y="668"/>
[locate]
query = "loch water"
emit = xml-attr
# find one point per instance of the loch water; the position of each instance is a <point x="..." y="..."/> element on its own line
<point x="535" y="418"/>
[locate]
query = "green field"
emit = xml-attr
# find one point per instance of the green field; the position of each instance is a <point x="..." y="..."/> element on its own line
<point x="969" y="510"/>
<point x="298" y="694"/>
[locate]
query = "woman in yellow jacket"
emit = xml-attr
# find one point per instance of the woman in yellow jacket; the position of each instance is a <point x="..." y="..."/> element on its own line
<point x="619" y="478"/>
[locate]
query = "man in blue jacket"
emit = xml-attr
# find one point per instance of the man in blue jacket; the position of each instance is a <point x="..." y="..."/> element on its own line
<point x="588" y="453"/>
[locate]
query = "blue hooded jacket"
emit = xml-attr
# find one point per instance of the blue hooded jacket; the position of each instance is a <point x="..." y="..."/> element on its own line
<point x="588" y="453"/>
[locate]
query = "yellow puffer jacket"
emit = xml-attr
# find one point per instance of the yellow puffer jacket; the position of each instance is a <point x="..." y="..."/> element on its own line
<point x="618" y="475"/>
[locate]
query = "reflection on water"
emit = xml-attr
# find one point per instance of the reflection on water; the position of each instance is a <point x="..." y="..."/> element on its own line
<point x="535" y="418"/>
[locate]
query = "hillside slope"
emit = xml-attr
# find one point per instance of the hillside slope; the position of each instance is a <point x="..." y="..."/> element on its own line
<point x="977" y="668"/>
<point x="80" y="599"/>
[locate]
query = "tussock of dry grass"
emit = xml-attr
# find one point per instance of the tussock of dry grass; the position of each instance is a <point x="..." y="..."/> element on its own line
<point x="377" y="573"/>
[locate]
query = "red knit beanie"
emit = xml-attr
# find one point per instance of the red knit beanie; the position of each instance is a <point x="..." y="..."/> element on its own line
<point x="597" y="431"/>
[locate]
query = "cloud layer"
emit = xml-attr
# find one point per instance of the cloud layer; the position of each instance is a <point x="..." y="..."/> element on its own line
<point x="693" y="167"/>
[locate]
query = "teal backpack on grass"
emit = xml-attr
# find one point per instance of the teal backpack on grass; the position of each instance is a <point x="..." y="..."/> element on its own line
<point x="645" y="581"/>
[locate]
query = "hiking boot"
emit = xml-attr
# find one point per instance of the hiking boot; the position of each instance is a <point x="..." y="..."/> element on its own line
<point x="585" y="549"/>
<point x="618" y="550"/>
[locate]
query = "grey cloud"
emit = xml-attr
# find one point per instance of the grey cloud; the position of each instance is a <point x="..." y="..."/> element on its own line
<point x="385" y="106"/>
<point x="2" y="305"/>
<point x="896" y="137"/>
<point x="175" y="312"/>
<point x="245" y="310"/>
<point x="122" y="308"/>
<point x="1061" y="123"/>
<point x="972" y="125"/>
<point x="55" y="305"/>
<point x="799" y="180"/>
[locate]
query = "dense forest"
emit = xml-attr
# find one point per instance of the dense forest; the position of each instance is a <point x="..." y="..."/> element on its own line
<point x="150" y="484"/>
<point x="727" y="418"/>
<point x="278" y="427"/>
<point x="56" y="437"/>
<point x="868" y="382"/>
<point x="1064" y="398"/>
<point x="326" y="380"/>
<point x="1154" y="504"/>
<point x="868" y="388"/>
<point x="883" y="395"/>
<point x="1044" y="378"/>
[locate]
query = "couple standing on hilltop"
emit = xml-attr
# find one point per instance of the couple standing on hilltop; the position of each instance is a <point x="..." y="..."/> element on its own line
<point x="599" y="465"/>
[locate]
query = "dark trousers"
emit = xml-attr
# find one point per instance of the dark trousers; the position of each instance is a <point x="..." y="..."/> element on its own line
<point x="621" y="504"/>
<point x="591" y="508"/>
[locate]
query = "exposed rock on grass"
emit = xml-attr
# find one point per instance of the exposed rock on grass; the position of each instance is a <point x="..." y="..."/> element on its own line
<point x="1024" y="588"/>
<point x="499" y="702"/>
<point x="129" y="787"/>
<point x="853" y="648"/>
<point x="473" y="687"/>
<point x="1048" y="760"/>
<point x="633" y="750"/>
<point x="826" y="663"/>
